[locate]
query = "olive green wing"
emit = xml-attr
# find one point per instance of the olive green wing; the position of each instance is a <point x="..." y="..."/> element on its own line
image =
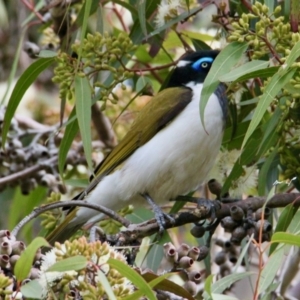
<point x="154" y="116"/>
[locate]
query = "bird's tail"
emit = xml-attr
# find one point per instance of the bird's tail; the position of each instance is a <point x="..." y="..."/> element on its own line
<point x="64" y="230"/>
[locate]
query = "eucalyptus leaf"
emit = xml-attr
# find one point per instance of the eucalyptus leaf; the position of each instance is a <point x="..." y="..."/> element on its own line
<point x="75" y="263"/>
<point x="142" y="15"/>
<point x="83" y="111"/>
<point x="106" y="285"/>
<point x="32" y="290"/>
<point x="264" y="73"/>
<point x="24" y="263"/>
<point x="228" y="57"/>
<point x="286" y="238"/>
<point x="246" y="68"/>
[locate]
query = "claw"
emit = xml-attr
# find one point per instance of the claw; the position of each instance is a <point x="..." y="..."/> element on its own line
<point x="160" y="216"/>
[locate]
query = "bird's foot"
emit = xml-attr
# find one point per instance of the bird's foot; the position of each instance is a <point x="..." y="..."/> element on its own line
<point x="160" y="216"/>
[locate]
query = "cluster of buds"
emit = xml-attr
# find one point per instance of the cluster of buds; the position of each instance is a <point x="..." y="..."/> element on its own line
<point x="183" y="259"/>
<point x="28" y="147"/>
<point x="240" y="226"/>
<point x="97" y="53"/>
<point x="10" y="251"/>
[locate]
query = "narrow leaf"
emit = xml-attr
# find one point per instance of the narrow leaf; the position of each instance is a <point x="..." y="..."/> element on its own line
<point x="83" y="104"/>
<point x="32" y="290"/>
<point x="228" y="57"/>
<point x="47" y="54"/>
<point x="134" y="277"/>
<point x="75" y="263"/>
<point x="294" y="54"/>
<point x="65" y="145"/>
<point x="270" y="270"/>
<point x="265" y="73"/>
<point x="24" y="263"/>
<point x="248" y="67"/>
<point x="222" y="284"/>
<point x="106" y="285"/>
<point x="142" y="15"/>
<point x="24" y="82"/>
<point x="277" y="82"/>
<point x="286" y="238"/>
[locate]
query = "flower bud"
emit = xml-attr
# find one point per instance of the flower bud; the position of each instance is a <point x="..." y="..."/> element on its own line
<point x="185" y="262"/>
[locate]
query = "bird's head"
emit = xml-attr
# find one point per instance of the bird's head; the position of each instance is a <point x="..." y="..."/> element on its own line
<point x="192" y="67"/>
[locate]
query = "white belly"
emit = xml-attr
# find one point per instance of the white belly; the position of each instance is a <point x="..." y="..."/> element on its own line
<point x="174" y="162"/>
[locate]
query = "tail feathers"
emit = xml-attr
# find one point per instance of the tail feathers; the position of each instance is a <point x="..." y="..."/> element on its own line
<point x="64" y="230"/>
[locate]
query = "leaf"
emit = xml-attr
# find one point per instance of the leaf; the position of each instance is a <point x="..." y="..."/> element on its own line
<point x="76" y="263"/>
<point x="133" y="276"/>
<point x="83" y="104"/>
<point x="222" y="297"/>
<point x="32" y="290"/>
<point x="65" y="145"/>
<point x="142" y="15"/>
<point x="270" y="270"/>
<point x="286" y="238"/>
<point x="208" y="284"/>
<point x="227" y="58"/>
<point x="222" y="284"/>
<point x="106" y="285"/>
<point x="47" y="54"/>
<point x="248" y="67"/>
<point x="23" y="83"/>
<point x="294" y="54"/>
<point x="277" y="82"/>
<point x="89" y="8"/>
<point x="24" y="263"/>
<point x="265" y="73"/>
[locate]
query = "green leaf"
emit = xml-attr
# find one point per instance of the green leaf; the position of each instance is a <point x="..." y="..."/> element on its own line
<point x="24" y="263"/>
<point x="83" y="104"/>
<point x="76" y="263"/>
<point x="228" y="57"/>
<point x="133" y="276"/>
<point x="222" y="297"/>
<point x="65" y="145"/>
<point x="106" y="285"/>
<point x="286" y="238"/>
<point x="248" y="67"/>
<point x="265" y="73"/>
<point x="25" y="80"/>
<point x="142" y="15"/>
<point x="270" y="270"/>
<point x="222" y="284"/>
<point x="208" y="284"/>
<point x="47" y="54"/>
<point x="292" y="57"/>
<point x="32" y="290"/>
<point x="89" y="8"/>
<point x="277" y="82"/>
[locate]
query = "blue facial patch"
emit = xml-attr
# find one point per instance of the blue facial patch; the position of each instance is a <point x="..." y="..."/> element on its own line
<point x="197" y="65"/>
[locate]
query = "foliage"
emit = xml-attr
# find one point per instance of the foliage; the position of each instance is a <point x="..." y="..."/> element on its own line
<point x="105" y="58"/>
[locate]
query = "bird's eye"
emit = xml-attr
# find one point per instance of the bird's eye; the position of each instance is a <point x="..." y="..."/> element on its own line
<point x="202" y="64"/>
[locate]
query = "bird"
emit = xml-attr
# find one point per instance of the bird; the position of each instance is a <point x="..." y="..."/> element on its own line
<point x="166" y="153"/>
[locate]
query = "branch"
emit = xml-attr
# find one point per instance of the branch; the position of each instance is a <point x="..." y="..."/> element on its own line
<point x="39" y="210"/>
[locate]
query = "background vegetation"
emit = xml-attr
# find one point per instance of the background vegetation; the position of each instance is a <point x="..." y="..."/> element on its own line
<point x="75" y="73"/>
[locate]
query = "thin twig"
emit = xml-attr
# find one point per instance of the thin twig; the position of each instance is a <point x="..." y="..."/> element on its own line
<point x="39" y="210"/>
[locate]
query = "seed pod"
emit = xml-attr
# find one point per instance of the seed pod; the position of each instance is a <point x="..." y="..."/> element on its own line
<point x="204" y="250"/>
<point x="237" y="213"/>
<point x="170" y="252"/>
<point x="228" y="224"/>
<point x="13" y="260"/>
<point x="34" y="273"/>
<point x="183" y="250"/>
<point x="266" y="226"/>
<point x="194" y="253"/>
<point x="215" y="187"/>
<point x="186" y="262"/>
<point x="4" y="261"/>
<point x="195" y="276"/>
<point x="237" y="235"/>
<point x="5" y="247"/>
<point x="191" y="287"/>
<point x="197" y="231"/>
<point x="220" y="258"/>
<point x="18" y="247"/>
<point x="262" y="213"/>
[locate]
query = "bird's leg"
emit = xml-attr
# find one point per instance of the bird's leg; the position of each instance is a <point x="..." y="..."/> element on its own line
<point x="159" y="214"/>
<point x="209" y="206"/>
